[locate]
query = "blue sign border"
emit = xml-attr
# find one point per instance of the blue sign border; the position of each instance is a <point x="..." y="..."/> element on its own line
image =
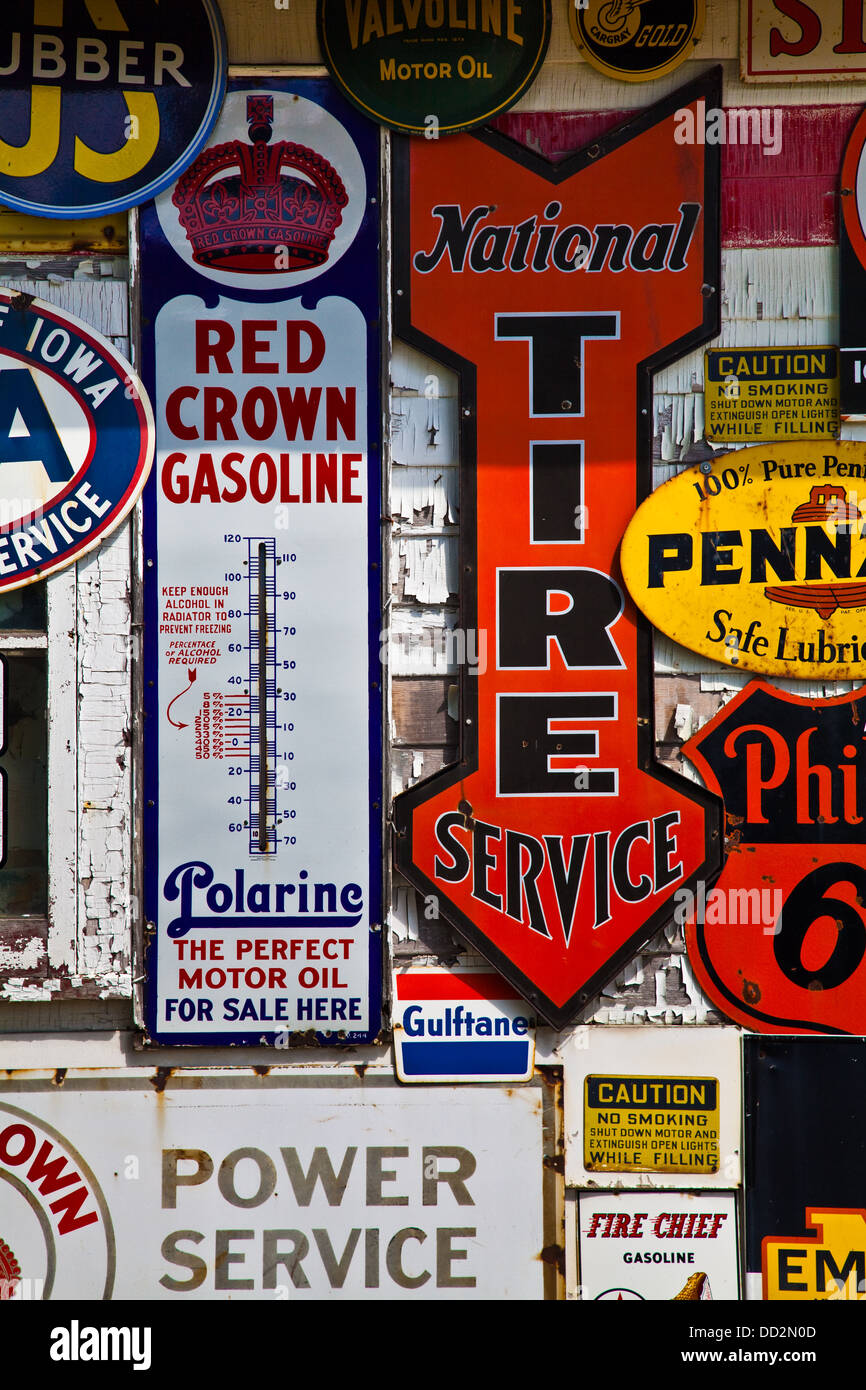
<point x="164" y="277"/>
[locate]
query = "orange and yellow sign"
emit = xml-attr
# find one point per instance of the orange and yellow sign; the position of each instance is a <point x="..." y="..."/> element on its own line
<point x="556" y="843"/>
<point x="829" y="1264"/>
<point x="761" y="561"/>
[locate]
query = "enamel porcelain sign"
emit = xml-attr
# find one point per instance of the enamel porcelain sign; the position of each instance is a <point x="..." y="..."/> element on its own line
<point x="779" y="942"/>
<point x="760" y="562"/>
<point x="555" y="844"/>
<point x="269" y="1188"/>
<point x="636" y="40"/>
<point x="102" y="105"/>
<point x="431" y="68"/>
<point x="262" y="604"/>
<point x="76" y="439"/>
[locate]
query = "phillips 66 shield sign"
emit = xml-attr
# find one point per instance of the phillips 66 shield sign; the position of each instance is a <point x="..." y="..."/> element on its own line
<point x="555" y="844"/>
<point x="779" y="943"/>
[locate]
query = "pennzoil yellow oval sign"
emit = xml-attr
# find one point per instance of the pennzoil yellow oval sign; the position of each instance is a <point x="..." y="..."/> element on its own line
<point x="760" y="563"/>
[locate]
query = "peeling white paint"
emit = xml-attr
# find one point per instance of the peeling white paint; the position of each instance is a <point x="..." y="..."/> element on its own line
<point x="426" y="568"/>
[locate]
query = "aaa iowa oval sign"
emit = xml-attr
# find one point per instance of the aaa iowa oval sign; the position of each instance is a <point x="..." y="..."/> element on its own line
<point x="761" y="562"/>
<point x="76" y="439"/>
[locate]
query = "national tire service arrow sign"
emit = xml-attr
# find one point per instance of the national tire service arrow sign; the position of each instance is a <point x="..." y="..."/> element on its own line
<point x="555" y="844"/>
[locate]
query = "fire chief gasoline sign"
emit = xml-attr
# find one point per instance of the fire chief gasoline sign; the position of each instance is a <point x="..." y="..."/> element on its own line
<point x="781" y="945"/>
<point x="555" y="844"/>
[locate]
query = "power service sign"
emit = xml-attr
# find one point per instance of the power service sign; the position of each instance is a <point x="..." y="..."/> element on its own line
<point x="103" y="104"/>
<point x="272" y="1188"/>
<point x="555" y="844"/>
<point x="76" y="439"/>
<point x="262" y="590"/>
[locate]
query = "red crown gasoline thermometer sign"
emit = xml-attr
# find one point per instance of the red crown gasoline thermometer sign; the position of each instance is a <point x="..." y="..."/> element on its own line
<point x="556" y="844"/>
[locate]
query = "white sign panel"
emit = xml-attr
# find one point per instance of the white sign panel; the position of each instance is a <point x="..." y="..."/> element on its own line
<point x="653" y="1107"/>
<point x="819" y="41"/>
<point x="278" y="1187"/>
<point x="262" y="536"/>
<point x="650" y="1245"/>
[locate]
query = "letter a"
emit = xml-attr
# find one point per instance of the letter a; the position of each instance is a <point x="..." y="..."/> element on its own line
<point x="27" y="433"/>
<point x="684" y="132"/>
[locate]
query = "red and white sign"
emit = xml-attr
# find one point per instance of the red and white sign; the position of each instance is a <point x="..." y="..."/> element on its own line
<point x="57" y="1238"/>
<point x="460" y="1025"/>
<point x="658" y="1245"/>
<point x="795" y="41"/>
<point x="279" y="1188"/>
<point x="555" y="844"/>
<point x="261" y="818"/>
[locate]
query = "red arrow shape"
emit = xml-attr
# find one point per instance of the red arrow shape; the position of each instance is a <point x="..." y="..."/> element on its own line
<point x="191" y="674"/>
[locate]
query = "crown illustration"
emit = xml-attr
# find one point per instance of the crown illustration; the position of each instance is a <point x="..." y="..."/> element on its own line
<point x="241" y="222"/>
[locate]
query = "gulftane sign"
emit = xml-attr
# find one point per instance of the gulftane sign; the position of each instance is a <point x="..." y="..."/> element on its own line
<point x="102" y="105"/>
<point x="76" y="439"/>
<point x="461" y="1025"/>
<point x="761" y="561"/>
<point x="556" y="844"/>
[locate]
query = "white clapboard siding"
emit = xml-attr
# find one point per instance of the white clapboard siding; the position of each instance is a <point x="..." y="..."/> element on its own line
<point x="570" y="84"/>
<point x="90" y="721"/>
